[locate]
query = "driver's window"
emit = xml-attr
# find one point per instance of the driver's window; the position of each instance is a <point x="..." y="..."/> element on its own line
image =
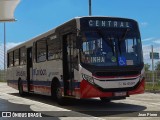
<point x="130" y="45"/>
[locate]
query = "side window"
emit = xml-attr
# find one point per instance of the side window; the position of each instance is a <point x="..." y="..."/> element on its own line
<point x="41" y="50"/>
<point x="54" y="48"/>
<point x="23" y="56"/>
<point x="10" y="59"/>
<point x="16" y="57"/>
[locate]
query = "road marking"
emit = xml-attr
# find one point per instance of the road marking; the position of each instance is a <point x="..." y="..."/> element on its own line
<point x="39" y="106"/>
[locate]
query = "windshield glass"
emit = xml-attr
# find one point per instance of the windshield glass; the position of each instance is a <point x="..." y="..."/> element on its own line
<point x="111" y="48"/>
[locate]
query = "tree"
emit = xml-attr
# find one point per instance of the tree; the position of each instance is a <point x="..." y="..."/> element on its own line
<point x="147" y="66"/>
<point x="157" y="66"/>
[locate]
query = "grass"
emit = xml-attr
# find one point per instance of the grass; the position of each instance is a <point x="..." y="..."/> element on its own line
<point x="2" y="80"/>
<point x="149" y="86"/>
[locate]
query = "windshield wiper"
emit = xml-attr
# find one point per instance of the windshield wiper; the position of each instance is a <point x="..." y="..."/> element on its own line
<point x="110" y="43"/>
<point x="121" y="39"/>
<point x="124" y="35"/>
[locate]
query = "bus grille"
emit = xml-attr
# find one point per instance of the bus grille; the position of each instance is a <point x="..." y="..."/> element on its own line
<point x="117" y="74"/>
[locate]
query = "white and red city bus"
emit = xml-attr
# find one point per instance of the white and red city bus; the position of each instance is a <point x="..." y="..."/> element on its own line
<point x="85" y="57"/>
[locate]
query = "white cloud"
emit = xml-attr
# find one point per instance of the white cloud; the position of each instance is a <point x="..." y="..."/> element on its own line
<point x="144" y="24"/>
<point x="151" y="41"/>
<point x="8" y="46"/>
<point x="148" y="39"/>
<point x="146" y="53"/>
<point x="157" y="41"/>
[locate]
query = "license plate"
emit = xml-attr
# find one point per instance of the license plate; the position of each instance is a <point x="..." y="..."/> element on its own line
<point x="120" y="94"/>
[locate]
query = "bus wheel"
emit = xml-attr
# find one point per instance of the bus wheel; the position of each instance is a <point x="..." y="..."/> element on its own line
<point x="20" y="88"/>
<point x="59" y="98"/>
<point x="105" y="99"/>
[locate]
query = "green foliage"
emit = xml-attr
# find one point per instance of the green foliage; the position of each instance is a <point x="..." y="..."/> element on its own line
<point x="146" y="67"/>
<point x="2" y="80"/>
<point x="157" y="66"/>
<point x="149" y="86"/>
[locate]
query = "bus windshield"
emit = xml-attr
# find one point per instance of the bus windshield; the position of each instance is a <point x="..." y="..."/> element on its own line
<point x="117" y="47"/>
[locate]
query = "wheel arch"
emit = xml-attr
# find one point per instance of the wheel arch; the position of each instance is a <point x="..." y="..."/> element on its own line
<point x="55" y="82"/>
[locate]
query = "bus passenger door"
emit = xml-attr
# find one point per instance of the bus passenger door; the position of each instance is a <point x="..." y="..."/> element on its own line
<point x="29" y="67"/>
<point x="69" y="56"/>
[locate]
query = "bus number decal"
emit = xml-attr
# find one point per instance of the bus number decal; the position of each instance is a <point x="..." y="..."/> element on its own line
<point x="39" y="72"/>
<point x="20" y="73"/>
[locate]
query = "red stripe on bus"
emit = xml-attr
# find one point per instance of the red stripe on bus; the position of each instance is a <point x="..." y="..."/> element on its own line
<point x="13" y="85"/>
<point x="140" y="89"/>
<point x="25" y="87"/>
<point x="88" y="91"/>
<point x="42" y="89"/>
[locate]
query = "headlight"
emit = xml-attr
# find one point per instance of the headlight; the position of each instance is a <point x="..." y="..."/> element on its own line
<point x="88" y="78"/>
<point x="141" y="77"/>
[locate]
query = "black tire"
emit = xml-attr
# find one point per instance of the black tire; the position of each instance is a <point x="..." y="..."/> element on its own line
<point x="57" y="94"/>
<point x="105" y="99"/>
<point x="20" y="88"/>
<point x="59" y="97"/>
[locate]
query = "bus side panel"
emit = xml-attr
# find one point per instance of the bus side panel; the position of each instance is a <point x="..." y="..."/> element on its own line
<point x="43" y="74"/>
<point x="14" y="74"/>
<point x="21" y="74"/>
<point x="10" y="80"/>
<point x="39" y="83"/>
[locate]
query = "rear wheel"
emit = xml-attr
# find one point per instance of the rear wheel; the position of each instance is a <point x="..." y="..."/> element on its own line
<point x="20" y="88"/>
<point x="105" y="99"/>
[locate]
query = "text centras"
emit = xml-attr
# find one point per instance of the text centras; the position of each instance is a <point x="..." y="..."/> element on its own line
<point x="111" y="24"/>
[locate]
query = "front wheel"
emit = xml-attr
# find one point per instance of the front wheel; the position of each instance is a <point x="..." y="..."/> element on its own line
<point x="57" y="94"/>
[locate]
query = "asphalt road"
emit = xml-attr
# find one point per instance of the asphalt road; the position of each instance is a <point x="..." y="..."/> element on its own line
<point x="90" y="109"/>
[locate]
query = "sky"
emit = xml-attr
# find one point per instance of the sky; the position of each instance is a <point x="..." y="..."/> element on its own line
<point x="35" y="17"/>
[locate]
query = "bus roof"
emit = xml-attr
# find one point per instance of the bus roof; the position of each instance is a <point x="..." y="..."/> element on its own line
<point x="30" y="41"/>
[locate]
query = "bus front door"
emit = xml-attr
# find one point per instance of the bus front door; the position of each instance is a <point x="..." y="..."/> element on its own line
<point x="68" y="69"/>
<point x="29" y="67"/>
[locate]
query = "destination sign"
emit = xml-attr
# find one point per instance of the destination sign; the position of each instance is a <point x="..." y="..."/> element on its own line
<point x="109" y="24"/>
